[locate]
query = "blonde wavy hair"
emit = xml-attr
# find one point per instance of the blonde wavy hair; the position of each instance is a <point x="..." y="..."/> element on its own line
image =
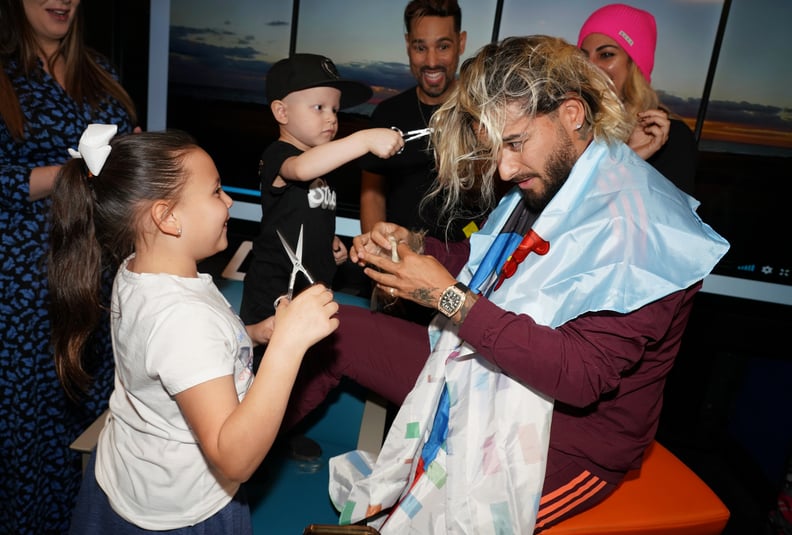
<point x="539" y="73"/>
<point x="637" y="94"/>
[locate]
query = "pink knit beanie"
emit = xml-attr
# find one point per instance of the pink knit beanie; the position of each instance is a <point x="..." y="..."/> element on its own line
<point x="633" y="29"/>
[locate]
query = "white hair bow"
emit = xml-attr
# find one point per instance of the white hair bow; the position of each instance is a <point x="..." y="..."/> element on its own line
<point x="93" y="147"/>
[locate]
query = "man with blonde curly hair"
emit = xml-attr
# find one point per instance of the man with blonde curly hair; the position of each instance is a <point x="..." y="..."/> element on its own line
<point x="568" y="307"/>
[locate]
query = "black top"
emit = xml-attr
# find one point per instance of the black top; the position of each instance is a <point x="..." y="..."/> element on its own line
<point x="310" y="204"/>
<point x="676" y="160"/>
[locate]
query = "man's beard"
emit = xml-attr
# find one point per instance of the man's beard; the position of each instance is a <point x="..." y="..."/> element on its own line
<point x="556" y="172"/>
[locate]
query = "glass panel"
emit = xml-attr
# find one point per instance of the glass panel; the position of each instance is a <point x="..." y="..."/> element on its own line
<point x="224" y="53"/>
<point x="744" y="178"/>
<point x="219" y="56"/>
<point x="750" y="106"/>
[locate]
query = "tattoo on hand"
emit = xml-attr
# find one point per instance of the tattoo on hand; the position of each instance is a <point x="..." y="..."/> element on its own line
<point x="426" y="296"/>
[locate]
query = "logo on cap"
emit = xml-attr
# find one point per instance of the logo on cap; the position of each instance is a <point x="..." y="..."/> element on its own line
<point x="330" y="69"/>
<point x="626" y="37"/>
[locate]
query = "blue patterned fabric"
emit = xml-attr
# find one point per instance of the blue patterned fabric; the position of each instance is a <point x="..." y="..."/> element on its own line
<point x="39" y="474"/>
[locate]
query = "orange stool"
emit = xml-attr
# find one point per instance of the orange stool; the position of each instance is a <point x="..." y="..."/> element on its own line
<point x="663" y="497"/>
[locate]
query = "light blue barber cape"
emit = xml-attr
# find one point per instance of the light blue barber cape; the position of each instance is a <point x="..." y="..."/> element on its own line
<point x="621" y="236"/>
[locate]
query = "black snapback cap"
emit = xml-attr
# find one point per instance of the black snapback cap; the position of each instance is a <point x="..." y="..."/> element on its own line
<point x="304" y="71"/>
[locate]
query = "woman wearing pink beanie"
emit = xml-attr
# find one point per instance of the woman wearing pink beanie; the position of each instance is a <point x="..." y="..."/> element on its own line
<point x="621" y="40"/>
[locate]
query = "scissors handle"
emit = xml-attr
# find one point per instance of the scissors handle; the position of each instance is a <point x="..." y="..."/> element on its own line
<point x="290" y="289"/>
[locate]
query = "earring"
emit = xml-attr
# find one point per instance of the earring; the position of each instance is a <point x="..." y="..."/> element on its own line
<point x="578" y="126"/>
<point x="180" y="232"/>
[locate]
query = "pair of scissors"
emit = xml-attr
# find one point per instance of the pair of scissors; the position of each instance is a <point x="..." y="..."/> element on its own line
<point x="413" y="134"/>
<point x="295" y="255"/>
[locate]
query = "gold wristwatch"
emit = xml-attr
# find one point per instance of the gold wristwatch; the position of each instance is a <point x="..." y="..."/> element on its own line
<point x="452" y="299"/>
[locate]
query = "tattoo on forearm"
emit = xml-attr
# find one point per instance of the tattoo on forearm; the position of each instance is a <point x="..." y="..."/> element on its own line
<point x="470" y="300"/>
<point x="426" y="296"/>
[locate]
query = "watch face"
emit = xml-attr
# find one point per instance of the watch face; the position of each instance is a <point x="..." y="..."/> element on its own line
<point x="451" y="301"/>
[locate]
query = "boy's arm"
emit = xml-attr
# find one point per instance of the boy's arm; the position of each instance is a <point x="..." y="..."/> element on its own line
<point x="372" y="200"/>
<point x="322" y="159"/>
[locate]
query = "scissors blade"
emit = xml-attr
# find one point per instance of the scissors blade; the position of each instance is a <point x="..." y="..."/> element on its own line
<point x="298" y="250"/>
<point x="299" y="265"/>
<point x="287" y="247"/>
<point x="416" y="134"/>
<point x="296" y="260"/>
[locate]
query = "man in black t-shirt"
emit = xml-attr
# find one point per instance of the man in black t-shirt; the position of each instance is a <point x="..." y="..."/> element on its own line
<point x="393" y="189"/>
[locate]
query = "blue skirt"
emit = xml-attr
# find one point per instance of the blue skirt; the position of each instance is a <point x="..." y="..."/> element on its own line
<point x="93" y="514"/>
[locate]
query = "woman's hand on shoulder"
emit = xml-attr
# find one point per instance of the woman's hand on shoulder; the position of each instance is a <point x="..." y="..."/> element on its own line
<point x="650" y="133"/>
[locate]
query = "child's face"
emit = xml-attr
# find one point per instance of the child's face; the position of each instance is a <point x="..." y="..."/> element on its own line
<point x="203" y="207"/>
<point x="312" y="115"/>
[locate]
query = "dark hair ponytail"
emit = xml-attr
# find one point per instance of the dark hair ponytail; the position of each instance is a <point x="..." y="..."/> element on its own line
<point x="75" y="265"/>
<point x="95" y="221"/>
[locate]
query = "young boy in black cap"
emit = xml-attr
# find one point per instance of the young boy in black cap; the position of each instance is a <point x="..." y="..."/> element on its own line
<point x="305" y="93"/>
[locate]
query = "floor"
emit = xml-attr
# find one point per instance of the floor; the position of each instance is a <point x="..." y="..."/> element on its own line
<point x="286" y="495"/>
<point x="726" y="415"/>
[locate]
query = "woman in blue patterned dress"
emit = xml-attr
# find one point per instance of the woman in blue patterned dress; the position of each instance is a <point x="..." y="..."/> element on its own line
<point x="51" y="88"/>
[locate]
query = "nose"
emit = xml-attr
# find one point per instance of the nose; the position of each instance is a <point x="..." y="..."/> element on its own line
<point x="431" y="56"/>
<point x="508" y="165"/>
<point x="227" y="199"/>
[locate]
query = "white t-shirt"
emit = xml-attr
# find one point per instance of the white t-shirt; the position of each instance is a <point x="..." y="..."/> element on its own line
<point x="169" y="333"/>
